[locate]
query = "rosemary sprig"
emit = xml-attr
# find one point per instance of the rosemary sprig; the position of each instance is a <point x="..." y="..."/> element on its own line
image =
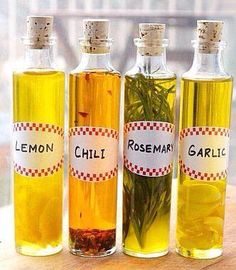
<point x="146" y="198"/>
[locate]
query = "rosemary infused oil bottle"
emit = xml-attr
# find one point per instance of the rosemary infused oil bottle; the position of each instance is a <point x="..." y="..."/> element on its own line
<point x="206" y="94"/>
<point x="93" y="144"/>
<point x="38" y="113"/>
<point x="148" y="146"/>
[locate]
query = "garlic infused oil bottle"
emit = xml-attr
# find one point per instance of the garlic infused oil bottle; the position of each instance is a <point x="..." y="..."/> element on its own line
<point x="206" y="94"/>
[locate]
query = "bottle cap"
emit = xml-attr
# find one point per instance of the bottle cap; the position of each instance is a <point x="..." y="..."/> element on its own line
<point x="208" y="34"/>
<point x="151" y="36"/>
<point x="39" y="31"/>
<point x="95" y="36"/>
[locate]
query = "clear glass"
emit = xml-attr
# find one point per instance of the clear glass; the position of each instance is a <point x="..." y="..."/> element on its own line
<point x="207" y="65"/>
<point x="94" y="101"/>
<point x="38" y="97"/>
<point x="206" y="96"/>
<point x="154" y="66"/>
<point x="91" y="62"/>
<point x="146" y="200"/>
<point x="36" y="58"/>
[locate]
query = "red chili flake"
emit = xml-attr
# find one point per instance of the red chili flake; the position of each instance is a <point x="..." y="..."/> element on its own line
<point x="87" y="77"/>
<point x="83" y="114"/>
<point x="92" y="242"/>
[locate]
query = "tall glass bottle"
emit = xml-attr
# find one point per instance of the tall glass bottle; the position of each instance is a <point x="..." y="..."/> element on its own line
<point x="148" y="146"/>
<point x="38" y="113"/>
<point x="203" y="147"/>
<point x="94" y="123"/>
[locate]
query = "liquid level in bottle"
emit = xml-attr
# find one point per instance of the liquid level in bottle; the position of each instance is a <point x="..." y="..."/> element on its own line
<point x="201" y="204"/>
<point x="94" y="101"/>
<point x="38" y="97"/>
<point x="146" y="200"/>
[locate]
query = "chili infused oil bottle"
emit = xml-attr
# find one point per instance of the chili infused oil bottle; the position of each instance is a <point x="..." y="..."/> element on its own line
<point x="148" y="146"/>
<point x="93" y="145"/>
<point x="203" y="147"/>
<point x="38" y="113"/>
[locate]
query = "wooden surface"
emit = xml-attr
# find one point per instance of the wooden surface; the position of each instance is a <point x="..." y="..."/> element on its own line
<point x="9" y="260"/>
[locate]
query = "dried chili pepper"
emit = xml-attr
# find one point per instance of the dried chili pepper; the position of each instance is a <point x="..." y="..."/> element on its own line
<point x="92" y="242"/>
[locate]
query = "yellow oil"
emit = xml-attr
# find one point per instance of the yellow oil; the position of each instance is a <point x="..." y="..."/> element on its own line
<point x="155" y="238"/>
<point x="94" y="101"/>
<point x="38" y="96"/>
<point x="201" y="204"/>
<point x="156" y="241"/>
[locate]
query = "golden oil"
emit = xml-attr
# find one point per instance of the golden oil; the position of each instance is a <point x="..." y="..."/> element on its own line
<point x="93" y="145"/>
<point x="201" y="203"/>
<point x="38" y="128"/>
<point x="38" y="97"/>
<point x="205" y="111"/>
<point x="154" y="239"/>
<point x="149" y="114"/>
<point x="94" y="101"/>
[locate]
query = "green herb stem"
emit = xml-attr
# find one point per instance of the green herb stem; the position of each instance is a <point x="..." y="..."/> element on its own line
<point x="145" y="198"/>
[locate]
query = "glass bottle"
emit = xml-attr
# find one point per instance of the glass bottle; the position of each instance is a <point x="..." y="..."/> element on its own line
<point x="206" y="95"/>
<point x="148" y="146"/>
<point x="38" y="113"/>
<point x="93" y="130"/>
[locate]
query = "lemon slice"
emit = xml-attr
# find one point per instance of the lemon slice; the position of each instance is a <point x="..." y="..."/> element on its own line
<point x="50" y="222"/>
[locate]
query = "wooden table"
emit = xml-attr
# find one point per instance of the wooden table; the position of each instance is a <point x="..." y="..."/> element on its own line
<point x="9" y="260"/>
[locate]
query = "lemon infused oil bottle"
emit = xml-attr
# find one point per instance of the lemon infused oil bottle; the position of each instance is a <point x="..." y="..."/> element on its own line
<point x="206" y="94"/>
<point x="93" y="145"/>
<point x="38" y="113"/>
<point x="148" y="146"/>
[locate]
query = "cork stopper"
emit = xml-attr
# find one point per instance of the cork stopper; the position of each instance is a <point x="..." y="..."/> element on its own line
<point x="151" y="31"/>
<point x="95" y="36"/>
<point x="39" y="31"/>
<point x="151" y="37"/>
<point x="209" y="33"/>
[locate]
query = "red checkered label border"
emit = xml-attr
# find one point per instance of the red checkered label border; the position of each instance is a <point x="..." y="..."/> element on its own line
<point x="93" y="177"/>
<point x="97" y="131"/>
<point x="43" y="127"/>
<point x="214" y="131"/>
<point x="93" y="131"/>
<point x="200" y="175"/>
<point x="149" y="125"/>
<point x="38" y="172"/>
<point x="21" y="126"/>
<point x="195" y="131"/>
<point x="147" y="171"/>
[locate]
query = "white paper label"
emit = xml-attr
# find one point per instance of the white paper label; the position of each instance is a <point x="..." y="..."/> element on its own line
<point x="37" y="149"/>
<point x="204" y="152"/>
<point x="149" y="148"/>
<point x="93" y="153"/>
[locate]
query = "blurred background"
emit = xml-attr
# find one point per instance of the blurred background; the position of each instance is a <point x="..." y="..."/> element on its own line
<point x="179" y="15"/>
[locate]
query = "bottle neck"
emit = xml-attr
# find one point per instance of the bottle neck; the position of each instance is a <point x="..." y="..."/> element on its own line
<point x="90" y="61"/>
<point x="154" y="65"/>
<point x="207" y="65"/>
<point x="208" y="62"/>
<point x="39" y="58"/>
